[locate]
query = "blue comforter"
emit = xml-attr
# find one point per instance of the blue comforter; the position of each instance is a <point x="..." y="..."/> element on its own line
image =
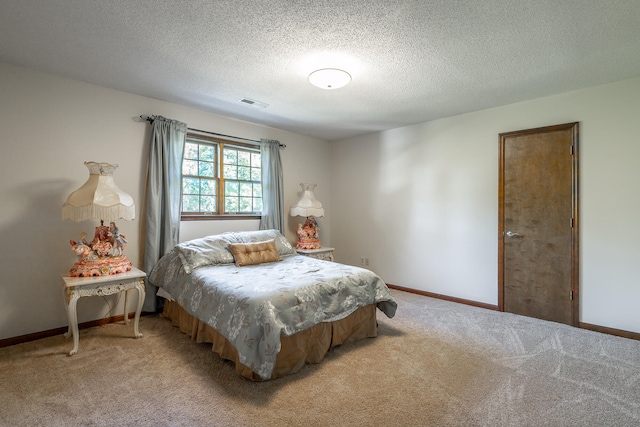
<point x="253" y="306"/>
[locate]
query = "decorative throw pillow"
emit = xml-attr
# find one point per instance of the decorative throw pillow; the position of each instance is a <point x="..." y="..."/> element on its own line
<point x="282" y="244"/>
<point x="254" y="253"/>
<point x="204" y="251"/>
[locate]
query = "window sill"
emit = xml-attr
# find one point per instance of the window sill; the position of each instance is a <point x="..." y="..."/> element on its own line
<point x="218" y="217"/>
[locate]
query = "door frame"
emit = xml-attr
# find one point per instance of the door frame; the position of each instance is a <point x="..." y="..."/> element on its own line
<point x="575" y="234"/>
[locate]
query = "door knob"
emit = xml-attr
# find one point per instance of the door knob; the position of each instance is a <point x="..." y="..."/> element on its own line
<point x="512" y="234"/>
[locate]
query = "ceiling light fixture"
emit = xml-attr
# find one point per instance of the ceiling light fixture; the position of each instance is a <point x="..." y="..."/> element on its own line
<point x="329" y="78"/>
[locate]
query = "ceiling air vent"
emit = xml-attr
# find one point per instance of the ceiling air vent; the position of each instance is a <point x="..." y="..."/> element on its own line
<point x="254" y="103"/>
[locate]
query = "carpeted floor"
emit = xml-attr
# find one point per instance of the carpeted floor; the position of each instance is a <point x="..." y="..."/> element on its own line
<point x="436" y="363"/>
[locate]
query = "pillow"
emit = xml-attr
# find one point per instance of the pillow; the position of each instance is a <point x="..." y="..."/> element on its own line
<point x="254" y="253"/>
<point x="283" y="246"/>
<point x="208" y="250"/>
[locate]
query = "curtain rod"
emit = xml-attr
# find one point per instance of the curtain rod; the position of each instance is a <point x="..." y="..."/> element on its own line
<point x="150" y="120"/>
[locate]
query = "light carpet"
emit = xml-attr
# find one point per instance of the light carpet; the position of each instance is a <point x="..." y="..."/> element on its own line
<point x="436" y="363"/>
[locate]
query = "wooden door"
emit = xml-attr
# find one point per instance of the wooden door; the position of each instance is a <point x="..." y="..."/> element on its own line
<point x="538" y="223"/>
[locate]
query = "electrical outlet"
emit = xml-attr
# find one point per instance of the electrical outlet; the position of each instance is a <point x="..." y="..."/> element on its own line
<point x="366" y="262"/>
<point x="362" y="261"/>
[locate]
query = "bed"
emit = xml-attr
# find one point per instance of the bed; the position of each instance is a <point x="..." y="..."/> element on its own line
<point x="263" y="306"/>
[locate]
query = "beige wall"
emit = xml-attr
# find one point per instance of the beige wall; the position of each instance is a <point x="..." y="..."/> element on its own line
<point x="49" y="127"/>
<point x="422" y="200"/>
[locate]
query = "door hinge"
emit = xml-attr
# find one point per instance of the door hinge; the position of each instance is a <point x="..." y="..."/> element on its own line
<point x="571" y="295"/>
<point x="571" y="222"/>
<point x="572" y="150"/>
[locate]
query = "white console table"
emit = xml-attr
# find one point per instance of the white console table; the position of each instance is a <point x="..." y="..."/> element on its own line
<point x="78" y="287"/>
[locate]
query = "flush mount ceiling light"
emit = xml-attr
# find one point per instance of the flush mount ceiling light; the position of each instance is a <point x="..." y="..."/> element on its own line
<point x="329" y="78"/>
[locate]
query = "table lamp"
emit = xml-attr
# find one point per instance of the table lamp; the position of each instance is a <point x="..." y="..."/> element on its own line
<point x="99" y="198"/>
<point x="308" y="206"/>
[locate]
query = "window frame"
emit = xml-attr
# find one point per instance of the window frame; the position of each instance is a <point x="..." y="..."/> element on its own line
<point x="219" y="144"/>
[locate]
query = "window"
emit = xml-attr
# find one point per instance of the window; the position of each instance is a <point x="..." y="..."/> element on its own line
<point x="220" y="178"/>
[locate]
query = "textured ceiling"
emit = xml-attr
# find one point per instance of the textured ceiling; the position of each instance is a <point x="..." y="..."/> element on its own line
<point x="411" y="61"/>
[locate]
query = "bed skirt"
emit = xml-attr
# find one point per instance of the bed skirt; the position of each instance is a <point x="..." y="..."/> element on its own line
<point x="308" y="346"/>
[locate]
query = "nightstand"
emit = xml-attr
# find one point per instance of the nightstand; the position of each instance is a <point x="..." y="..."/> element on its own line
<point x="322" y="253"/>
<point x="78" y="287"/>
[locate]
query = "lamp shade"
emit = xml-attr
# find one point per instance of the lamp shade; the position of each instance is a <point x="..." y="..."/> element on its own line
<point x="308" y="205"/>
<point x="99" y="197"/>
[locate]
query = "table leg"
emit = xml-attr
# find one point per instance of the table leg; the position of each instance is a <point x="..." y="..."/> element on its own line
<point x="126" y="307"/>
<point x="141" y="293"/>
<point x="71" y="299"/>
<point x="66" y="297"/>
